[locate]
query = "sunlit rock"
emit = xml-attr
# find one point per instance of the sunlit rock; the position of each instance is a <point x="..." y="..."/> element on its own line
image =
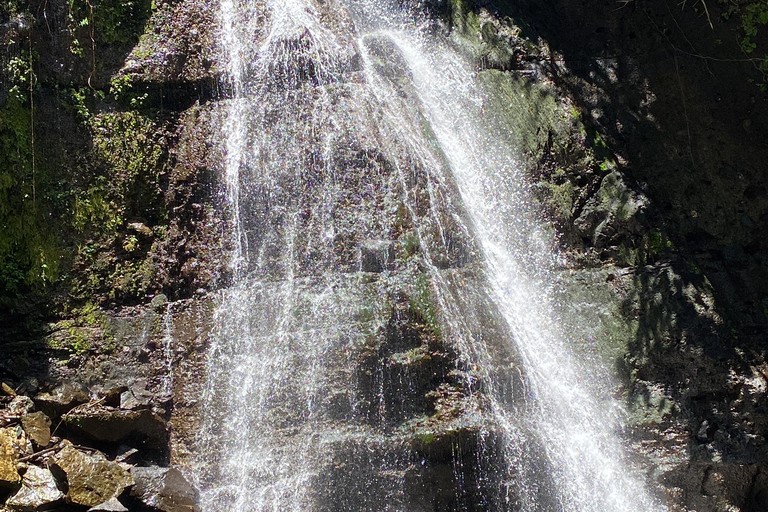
<point x="111" y="505"/>
<point x="38" y="490"/>
<point x="164" y="489"/>
<point x="61" y="399"/>
<point x="9" y="474"/>
<point x="91" y="479"/>
<point x="38" y="428"/>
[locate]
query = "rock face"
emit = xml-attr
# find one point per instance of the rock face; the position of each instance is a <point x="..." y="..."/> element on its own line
<point x="61" y="399"/>
<point x="91" y="479"/>
<point x="38" y="491"/>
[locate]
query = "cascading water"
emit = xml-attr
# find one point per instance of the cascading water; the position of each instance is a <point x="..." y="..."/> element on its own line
<point x="374" y="198"/>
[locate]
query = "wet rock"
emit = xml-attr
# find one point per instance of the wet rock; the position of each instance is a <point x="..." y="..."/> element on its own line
<point x="38" y="490"/>
<point x="141" y="229"/>
<point x="613" y="212"/>
<point x="109" y="395"/>
<point x="9" y="474"/>
<point x="21" y="405"/>
<point x="376" y="255"/>
<point x="29" y="386"/>
<point x="159" y="302"/>
<point x="62" y="399"/>
<point x="137" y="396"/>
<point x="164" y="489"/>
<point x="92" y="479"/>
<point x="38" y="428"/>
<point x="114" y="425"/>
<point x="112" y="505"/>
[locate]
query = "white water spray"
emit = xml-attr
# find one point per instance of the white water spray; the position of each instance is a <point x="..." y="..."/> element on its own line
<point x="291" y="318"/>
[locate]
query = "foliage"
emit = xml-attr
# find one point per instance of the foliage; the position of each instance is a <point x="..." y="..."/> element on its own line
<point x="752" y="16"/>
<point x="10" y="8"/>
<point x="28" y="250"/>
<point x="111" y="22"/>
<point x="423" y="305"/>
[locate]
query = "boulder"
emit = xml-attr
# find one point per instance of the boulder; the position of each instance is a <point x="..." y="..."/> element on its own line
<point x="9" y="458"/>
<point x="114" y="425"/>
<point x="164" y="489"/>
<point x="38" y="428"/>
<point x="92" y="479"/>
<point x="61" y="399"/>
<point x="137" y="396"/>
<point x="20" y="405"/>
<point x="38" y="490"/>
<point x="112" y="505"/>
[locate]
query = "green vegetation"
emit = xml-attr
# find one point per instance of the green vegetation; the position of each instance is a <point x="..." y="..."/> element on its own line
<point x="29" y="253"/>
<point x="422" y="305"/>
<point x="110" y="22"/>
<point x="752" y="16"/>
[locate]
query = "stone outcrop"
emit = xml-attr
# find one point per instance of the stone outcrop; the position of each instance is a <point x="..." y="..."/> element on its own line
<point x="112" y="505"/>
<point x="113" y="425"/>
<point x="84" y="476"/>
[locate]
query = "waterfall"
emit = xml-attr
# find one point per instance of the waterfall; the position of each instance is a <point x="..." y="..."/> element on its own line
<point x="380" y="221"/>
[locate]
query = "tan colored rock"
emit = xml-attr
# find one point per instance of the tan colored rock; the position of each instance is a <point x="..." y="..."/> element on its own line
<point x="9" y="458"/>
<point x="38" y="428"/>
<point x="38" y="490"/>
<point x="8" y="390"/>
<point x="92" y="479"/>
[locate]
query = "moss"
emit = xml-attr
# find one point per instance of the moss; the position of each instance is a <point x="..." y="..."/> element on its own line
<point x="422" y="305"/>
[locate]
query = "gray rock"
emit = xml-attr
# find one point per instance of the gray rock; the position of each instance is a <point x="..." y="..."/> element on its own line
<point x="114" y="425"/>
<point x="9" y="474"/>
<point x="30" y="385"/>
<point x="141" y="228"/>
<point x="62" y="399"/>
<point x="38" y="428"/>
<point x="137" y="397"/>
<point x="92" y="479"/>
<point x="38" y="489"/>
<point x="159" y="301"/>
<point x="164" y="489"/>
<point x="112" y="505"/>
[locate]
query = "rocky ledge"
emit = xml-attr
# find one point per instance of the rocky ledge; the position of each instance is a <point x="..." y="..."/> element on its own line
<point x="68" y="449"/>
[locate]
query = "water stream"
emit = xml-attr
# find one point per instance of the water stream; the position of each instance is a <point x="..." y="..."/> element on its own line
<point x="362" y="165"/>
